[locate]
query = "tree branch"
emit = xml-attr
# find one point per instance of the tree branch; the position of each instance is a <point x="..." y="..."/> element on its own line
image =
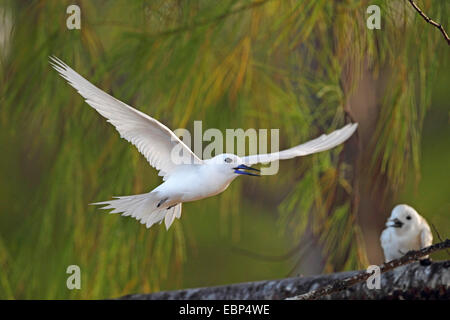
<point x="427" y="19"/>
<point x="412" y="281"/>
<point x="340" y="285"/>
<point x="439" y="236"/>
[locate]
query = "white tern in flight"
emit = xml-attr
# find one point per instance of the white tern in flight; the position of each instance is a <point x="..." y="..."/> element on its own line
<point x="190" y="180"/>
<point x="406" y="230"/>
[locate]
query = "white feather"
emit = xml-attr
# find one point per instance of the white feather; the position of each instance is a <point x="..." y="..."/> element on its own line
<point x="322" y="143"/>
<point x="153" y="139"/>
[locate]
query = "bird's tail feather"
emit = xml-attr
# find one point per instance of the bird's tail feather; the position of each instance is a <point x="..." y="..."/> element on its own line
<point x="144" y="208"/>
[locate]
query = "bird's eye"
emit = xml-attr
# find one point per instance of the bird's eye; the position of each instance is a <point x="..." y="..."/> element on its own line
<point x="228" y="160"/>
<point x="408" y="217"/>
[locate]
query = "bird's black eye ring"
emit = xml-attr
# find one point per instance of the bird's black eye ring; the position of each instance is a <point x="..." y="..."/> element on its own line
<point x="228" y="160"/>
<point x="408" y="217"/>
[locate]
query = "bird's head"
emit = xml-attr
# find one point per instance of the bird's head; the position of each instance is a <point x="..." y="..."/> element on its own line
<point x="233" y="165"/>
<point x="404" y="218"/>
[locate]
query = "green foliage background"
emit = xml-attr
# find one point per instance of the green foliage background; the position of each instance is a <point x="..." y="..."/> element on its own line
<point x="232" y="64"/>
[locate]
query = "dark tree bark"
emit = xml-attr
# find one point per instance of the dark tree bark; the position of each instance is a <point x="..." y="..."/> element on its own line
<point x="412" y="281"/>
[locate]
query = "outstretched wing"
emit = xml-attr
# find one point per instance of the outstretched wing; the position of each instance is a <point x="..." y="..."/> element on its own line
<point x="153" y="139"/>
<point x="322" y="143"/>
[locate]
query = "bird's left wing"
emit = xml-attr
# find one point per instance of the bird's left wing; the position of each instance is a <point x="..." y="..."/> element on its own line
<point x="426" y="237"/>
<point x="386" y="243"/>
<point x="322" y="143"/>
<point x="153" y="139"/>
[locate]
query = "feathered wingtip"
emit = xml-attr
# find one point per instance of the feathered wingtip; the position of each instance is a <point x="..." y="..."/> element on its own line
<point x="57" y="64"/>
<point x="63" y="69"/>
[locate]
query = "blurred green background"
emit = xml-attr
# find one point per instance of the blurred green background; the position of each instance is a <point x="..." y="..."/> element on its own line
<point x="305" y="67"/>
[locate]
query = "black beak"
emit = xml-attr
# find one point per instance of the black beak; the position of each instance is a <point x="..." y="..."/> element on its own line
<point x="241" y="167"/>
<point x="396" y="223"/>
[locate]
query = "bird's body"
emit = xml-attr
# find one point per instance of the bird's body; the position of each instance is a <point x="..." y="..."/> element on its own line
<point x="188" y="182"/>
<point x="186" y="177"/>
<point x="406" y="230"/>
<point x="199" y="181"/>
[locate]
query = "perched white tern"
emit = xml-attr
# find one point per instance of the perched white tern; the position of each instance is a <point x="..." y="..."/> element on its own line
<point x="406" y="230"/>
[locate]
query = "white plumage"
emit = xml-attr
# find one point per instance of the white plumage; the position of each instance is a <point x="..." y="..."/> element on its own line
<point x="153" y="139"/>
<point x="406" y="230"/>
<point x="322" y="143"/>
<point x="186" y="178"/>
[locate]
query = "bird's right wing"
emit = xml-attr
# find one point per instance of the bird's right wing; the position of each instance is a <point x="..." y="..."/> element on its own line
<point x="322" y="143"/>
<point x="153" y="139"/>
